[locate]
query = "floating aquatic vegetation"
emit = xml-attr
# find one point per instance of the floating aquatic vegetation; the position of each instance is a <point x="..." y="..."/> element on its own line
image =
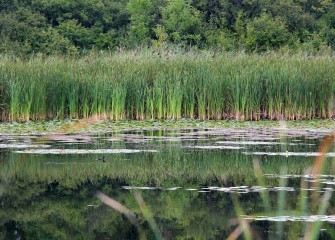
<point x="150" y="188"/>
<point x="172" y="188"/>
<point x="136" y="140"/>
<point x="63" y="138"/>
<point x="330" y="182"/>
<point x="237" y="189"/>
<point x="311" y="176"/>
<point x="216" y="147"/>
<point x="302" y="154"/>
<point x="247" y="189"/>
<point x="173" y="140"/>
<point x="139" y="188"/>
<point x="23" y="145"/>
<point x="258" y="143"/>
<point x="130" y="136"/>
<point x="262" y="138"/>
<point x="113" y="139"/>
<point x="311" y="218"/>
<point x="6" y="138"/>
<point x="250" y="143"/>
<point x="82" y="151"/>
<point x="211" y="188"/>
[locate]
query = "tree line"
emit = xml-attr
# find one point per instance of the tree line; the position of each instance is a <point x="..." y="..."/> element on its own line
<point x="78" y="26"/>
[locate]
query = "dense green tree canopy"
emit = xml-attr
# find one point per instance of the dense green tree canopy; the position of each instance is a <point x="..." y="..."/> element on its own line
<point x="140" y="16"/>
<point x="68" y="26"/>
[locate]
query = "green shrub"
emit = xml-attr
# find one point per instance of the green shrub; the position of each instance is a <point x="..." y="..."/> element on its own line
<point x="265" y="32"/>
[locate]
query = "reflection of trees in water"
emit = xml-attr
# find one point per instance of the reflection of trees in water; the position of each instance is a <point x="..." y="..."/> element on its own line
<point x="58" y="212"/>
<point x="56" y="201"/>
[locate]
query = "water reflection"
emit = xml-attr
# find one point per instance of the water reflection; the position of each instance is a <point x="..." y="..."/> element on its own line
<point x="187" y="179"/>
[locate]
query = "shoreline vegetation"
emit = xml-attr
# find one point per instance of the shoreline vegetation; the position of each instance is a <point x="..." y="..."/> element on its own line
<point x="92" y="126"/>
<point x="158" y="84"/>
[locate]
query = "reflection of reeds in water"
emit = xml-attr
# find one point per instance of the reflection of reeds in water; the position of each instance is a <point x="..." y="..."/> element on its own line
<point x="175" y="166"/>
<point x="183" y="85"/>
<point x="310" y="210"/>
<point x="313" y="205"/>
<point x="162" y="168"/>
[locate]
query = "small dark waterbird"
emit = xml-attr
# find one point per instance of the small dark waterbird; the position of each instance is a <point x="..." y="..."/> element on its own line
<point x="102" y="159"/>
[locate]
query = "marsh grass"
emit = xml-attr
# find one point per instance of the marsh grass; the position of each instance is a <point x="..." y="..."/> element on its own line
<point x="171" y="85"/>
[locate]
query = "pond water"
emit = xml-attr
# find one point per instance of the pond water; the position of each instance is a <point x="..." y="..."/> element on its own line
<point x="185" y="184"/>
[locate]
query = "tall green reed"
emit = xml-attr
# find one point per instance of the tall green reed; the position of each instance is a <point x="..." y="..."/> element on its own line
<point x="171" y="85"/>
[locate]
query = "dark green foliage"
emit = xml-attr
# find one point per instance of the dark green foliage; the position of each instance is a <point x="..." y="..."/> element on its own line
<point x="140" y="16"/>
<point x="265" y="32"/>
<point x="79" y="35"/>
<point x="70" y="27"/>
<point x="182" y="21"/>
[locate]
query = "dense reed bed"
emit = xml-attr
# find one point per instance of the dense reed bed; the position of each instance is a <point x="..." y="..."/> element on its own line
<point x="168" y="85"/>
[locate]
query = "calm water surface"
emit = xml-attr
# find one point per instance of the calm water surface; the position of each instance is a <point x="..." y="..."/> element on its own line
<point x="195" y="183"/>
